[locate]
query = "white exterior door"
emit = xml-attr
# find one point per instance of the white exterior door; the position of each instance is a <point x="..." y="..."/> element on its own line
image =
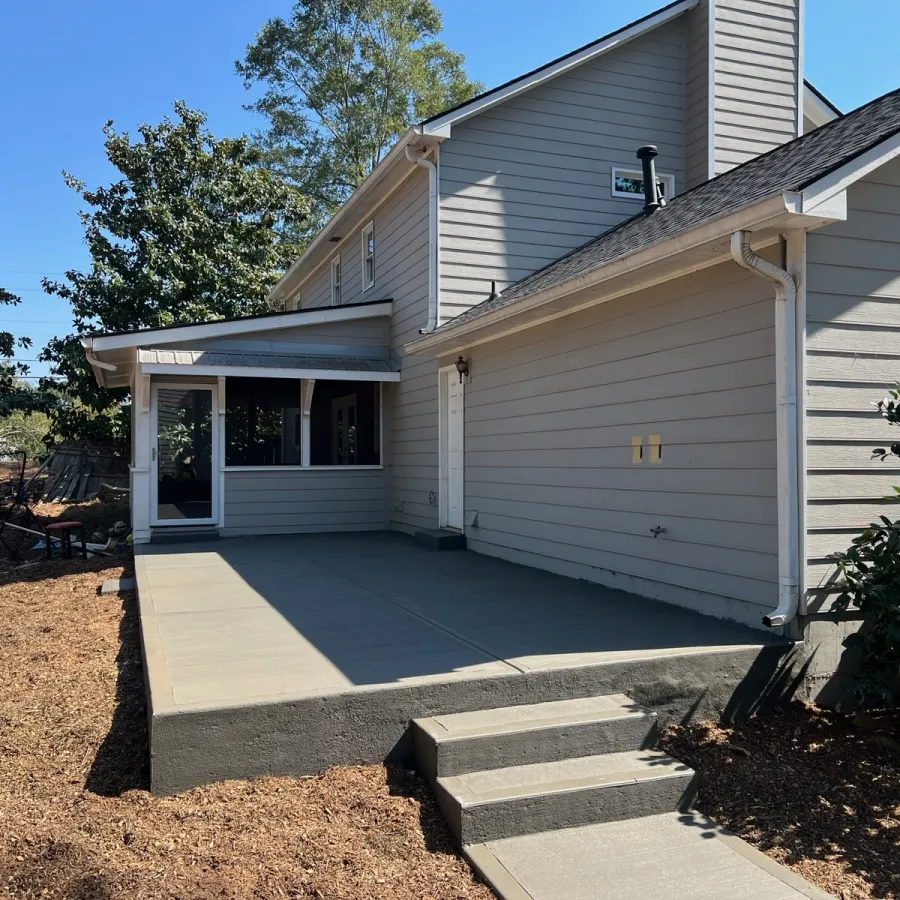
<point x="452" y="450"/>
<point x="184" y="458"/>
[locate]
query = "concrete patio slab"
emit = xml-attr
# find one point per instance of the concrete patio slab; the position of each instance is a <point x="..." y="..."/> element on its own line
<point x="287" y="654"/>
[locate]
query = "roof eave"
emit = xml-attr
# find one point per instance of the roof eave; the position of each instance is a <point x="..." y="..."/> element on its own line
<point x="699" y="247"/>
<point x="225" y="327"/>
<point x="320" y="248"/>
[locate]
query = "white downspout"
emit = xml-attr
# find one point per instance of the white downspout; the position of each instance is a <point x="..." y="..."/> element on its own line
<point x="786" y="425"/>
<point x="433" y="225"/>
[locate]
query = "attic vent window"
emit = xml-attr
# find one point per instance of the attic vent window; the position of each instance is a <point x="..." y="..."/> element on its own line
<point x="629" y="184"/>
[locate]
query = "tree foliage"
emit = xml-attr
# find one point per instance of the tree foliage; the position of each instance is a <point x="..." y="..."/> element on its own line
<point x="343" y="80"/>
<point x="189" y="232"/>
<point x="870" y="576"/>
<point x="15" y="394"/>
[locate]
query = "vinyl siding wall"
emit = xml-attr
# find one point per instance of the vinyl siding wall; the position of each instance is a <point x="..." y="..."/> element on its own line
<point x="370" y="333"/>
<point x="550" y="415"/>
<point x="527" y="181"/>
<point x="294" y="501"/>
<point x="410" y="406"/>
<point x="697" y="122"/>
<point x="853" y="358"/>
<point x="757" y="78"/>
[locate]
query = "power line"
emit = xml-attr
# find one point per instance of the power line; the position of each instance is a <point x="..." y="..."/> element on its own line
<point x="23" y="272"/>
<point x="36" y="321"/>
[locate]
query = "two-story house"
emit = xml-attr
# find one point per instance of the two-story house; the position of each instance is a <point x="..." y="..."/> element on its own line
<point x="511" y="334"/>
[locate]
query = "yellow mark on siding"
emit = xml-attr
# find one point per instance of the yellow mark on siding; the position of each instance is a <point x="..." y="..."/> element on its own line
<point x="655" y="442"/>
<point x="636" y="449"/>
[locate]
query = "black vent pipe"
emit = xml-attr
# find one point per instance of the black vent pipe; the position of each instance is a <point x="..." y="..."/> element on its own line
<point x="653" y="199"/>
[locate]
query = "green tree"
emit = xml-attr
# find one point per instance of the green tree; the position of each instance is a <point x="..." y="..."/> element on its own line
<point x="343" y="80"/>
<point x="15" y="393"/>
<point x="191" y="231"/>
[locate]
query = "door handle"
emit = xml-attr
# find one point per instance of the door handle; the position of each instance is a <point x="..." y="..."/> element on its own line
<point x="153" y="453"/>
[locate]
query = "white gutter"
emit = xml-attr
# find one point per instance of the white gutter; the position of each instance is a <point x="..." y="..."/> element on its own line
<point x="433" y="225"/>
<point x="786" y="425"/>
<point x="97" y="364"/>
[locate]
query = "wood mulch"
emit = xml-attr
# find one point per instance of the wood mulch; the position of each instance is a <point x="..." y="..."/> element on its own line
<point x="816" y="790"/>
<point x="77" y="821"/>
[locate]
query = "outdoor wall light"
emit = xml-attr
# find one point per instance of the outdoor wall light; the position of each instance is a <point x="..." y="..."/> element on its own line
<point x="462" y="366"/>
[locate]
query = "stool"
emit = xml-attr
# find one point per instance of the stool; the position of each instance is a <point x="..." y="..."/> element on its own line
<point x="62" y="531"/>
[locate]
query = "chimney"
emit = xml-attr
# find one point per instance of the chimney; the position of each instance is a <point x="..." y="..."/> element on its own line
<point x="653" y="198"/>
<point x="744" y="84"/>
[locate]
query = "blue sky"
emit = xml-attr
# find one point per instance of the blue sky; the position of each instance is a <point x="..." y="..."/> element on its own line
<point x="68" y="67"/>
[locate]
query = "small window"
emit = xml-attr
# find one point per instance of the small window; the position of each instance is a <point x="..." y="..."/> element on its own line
<point x="629" y="184"/>
<point x="368" y="256"/>
<point x="336" y="281"/>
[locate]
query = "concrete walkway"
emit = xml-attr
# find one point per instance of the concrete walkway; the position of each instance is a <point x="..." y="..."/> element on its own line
<point x="674" y="855"/>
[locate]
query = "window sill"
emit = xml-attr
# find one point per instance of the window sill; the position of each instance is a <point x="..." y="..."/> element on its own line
<point x="294" y="468"/>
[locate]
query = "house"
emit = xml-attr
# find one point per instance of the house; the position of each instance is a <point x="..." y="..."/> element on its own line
<point x="504" y="334"/>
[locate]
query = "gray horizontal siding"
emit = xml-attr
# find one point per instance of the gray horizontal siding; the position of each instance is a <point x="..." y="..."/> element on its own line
<point x="757" y="79"/>
<point x="530" y="180"/>
<point x="550" y="414"/>
<point x="410" y="406"/>
<point x="697" y="96"/>
<point x="280" y="501"/>
<point x="853" y="358"/>
<point x="373" y="332"/>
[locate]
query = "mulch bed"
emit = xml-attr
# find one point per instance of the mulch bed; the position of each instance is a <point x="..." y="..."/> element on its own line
<point x="816" y="790"/>
<point x="77" y="821"/>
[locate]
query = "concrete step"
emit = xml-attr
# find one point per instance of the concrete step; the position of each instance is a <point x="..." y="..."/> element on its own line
<point x="500" y="803"/>
<point x="183" y="534"/>
<point x="440" y="539"/>
<point x="538" y="732"/>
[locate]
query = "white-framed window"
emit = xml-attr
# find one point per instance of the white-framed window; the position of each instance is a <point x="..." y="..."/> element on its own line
<point x="368" y="256"/>
<point x="629" y="183"/>
<point x="336" y="281"/>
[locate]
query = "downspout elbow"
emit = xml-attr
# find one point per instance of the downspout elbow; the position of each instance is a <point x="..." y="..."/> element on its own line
<point x="432" y="235"/>
<point x="788" y="449"/>
<point x="98" y="365"/>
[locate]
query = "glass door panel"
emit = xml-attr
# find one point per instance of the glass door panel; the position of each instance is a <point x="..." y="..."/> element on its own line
<point x="184" y="454"/>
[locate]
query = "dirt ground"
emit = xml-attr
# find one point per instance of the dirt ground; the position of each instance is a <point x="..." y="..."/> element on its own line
<point x="816" y="790"/>
<point x="76" y="820"/>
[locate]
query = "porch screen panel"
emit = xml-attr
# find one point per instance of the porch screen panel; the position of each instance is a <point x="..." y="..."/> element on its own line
<point x="345" y="424"/>
<point x="263" y="422"/>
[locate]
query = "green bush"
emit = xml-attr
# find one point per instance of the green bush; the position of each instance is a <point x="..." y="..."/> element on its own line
<point x="870" y="576"/>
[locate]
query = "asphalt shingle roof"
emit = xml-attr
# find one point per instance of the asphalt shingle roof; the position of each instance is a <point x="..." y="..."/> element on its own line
<point x="790" y="167"/>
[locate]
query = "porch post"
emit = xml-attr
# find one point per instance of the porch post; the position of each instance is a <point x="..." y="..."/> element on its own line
<point x="307" y="386"/>
<point x="220" y="449"/>
<point x="140" y="464"/>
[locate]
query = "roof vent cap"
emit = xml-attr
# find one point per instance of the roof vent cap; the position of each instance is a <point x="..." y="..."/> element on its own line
<point x="653" y="198"/>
